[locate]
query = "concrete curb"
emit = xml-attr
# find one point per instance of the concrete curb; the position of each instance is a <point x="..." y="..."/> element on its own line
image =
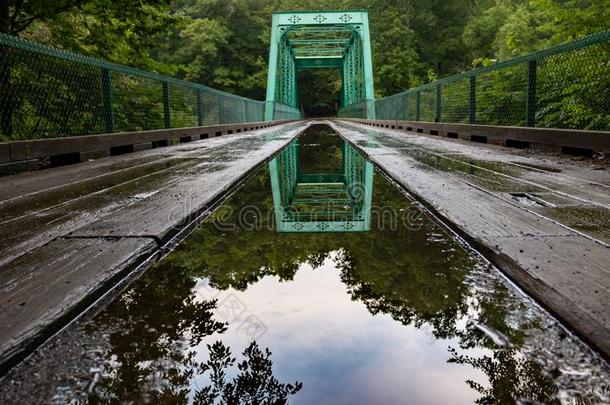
<point x="568" y="141"/>
<point x="19" y="156"/>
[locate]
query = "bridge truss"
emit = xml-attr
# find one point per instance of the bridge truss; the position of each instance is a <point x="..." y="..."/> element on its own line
<point x="320" y="39"/>
<point x="321" y="202"/>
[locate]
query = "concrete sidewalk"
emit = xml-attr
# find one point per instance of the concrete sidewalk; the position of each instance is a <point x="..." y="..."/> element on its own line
<point x="543" y="219"/>
<point x="70" y="233"/>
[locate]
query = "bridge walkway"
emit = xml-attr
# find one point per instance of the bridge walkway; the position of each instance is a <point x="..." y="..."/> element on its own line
<point x="543" y="219"/>
<point x="70" y="233"/>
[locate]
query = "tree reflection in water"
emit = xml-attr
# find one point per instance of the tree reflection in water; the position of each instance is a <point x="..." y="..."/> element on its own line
<point x="512" y="379"/>
<point x="419" y="277"/>
<point x="255" y="383"/>
<point x="155" y="325"/>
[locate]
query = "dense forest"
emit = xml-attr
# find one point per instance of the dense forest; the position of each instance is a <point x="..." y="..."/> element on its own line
<point x="224" y="43"/>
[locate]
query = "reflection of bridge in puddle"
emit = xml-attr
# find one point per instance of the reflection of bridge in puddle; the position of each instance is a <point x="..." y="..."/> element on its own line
<point x="321" y="202"/>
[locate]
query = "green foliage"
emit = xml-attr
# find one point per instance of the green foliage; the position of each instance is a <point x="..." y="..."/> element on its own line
<point x="150" y="326"/>
<point x="438" y="25"/>
<point x="512" y="378"/>
<point x="319" y="91"/>
<point x="119" y="31"/>
<point x="503" y="29"/>
<point x="397" y="63"/>
<point x="17" y="15"/>
<point x="224" y="44"/>
<point x="255" y="383"/>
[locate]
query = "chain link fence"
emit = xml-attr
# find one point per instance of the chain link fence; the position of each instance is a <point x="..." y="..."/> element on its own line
<point x="47" y="92"/>
<point x="566" y="86"/>
<point x="285" y="112"/>
<point x="356" y="110"/>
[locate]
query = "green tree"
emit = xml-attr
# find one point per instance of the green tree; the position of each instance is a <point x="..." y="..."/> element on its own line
<point x="124" y="32"/>
<point x="18" y="15"/>
<point x="223" y="44"/>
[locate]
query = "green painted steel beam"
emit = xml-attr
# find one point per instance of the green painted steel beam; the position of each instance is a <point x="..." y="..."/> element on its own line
<point x="369" y="90"/>
<point x="319" y="63"/>
<point x="320" y="17"/>
<point x="272" y="70"/>
<point x="318" y="41"/>
<point x="320" y="47"/>
<point x="318" y="51"/>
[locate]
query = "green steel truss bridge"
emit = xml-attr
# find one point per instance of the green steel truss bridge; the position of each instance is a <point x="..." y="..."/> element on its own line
<point x="311" y="40"/>
<point x="307" y="202"/>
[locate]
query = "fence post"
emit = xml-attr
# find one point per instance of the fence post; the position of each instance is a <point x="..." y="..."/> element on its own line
<point x="438" y="102"/>
<point x="417" y="105"/>
<point x="166" y="110"/>
<point x="199" y="108"/>
<point x="245" y="111"/>
<point x="221" y="110"/>
<point x="107" y="101"/>
<point x="530" y="102"/>
<point x="472" y="100"/>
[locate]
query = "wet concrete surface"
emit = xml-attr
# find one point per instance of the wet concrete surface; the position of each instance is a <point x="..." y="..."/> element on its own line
<point x="40" y="288"/>
<point x="589" y="219"/>
<point x="69" y="225"/>
<point x="495" y="197"/>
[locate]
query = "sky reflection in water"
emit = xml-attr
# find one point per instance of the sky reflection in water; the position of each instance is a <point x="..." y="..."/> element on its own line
<point x="341" y="353"/>
<point x="402" y="314"/>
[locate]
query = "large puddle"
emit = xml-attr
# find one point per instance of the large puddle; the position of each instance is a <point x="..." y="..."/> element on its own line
<point x="390" y="309"/>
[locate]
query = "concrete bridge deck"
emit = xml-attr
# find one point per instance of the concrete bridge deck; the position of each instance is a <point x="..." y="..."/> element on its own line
<point x="69" y="233"/>
<point x="543" y="219"/>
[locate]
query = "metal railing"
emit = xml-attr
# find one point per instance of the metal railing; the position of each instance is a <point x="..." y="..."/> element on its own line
<point x="566" y="86"/>
<point x="285" y="112"/>
<point x="356" y="110"/>
<point x="47" y="92"/>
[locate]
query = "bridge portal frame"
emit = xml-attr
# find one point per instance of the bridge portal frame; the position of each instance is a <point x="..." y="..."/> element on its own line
<point x="354" y="182"/>
<point x="354" y="60"/>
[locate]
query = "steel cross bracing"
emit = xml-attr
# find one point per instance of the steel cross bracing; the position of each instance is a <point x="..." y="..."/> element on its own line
<point x="321" y="202"/>
<point x="319" y="39"/>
